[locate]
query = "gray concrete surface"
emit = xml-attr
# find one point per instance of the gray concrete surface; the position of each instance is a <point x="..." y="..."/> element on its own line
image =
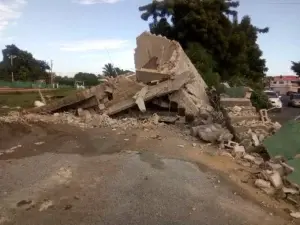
<point x="93" y="177"/>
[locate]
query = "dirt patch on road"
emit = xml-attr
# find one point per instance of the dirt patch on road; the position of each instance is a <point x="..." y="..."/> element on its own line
<point x="26" y="140"/>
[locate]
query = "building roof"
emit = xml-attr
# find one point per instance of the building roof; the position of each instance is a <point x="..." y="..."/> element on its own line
<point x="286" y="78"/>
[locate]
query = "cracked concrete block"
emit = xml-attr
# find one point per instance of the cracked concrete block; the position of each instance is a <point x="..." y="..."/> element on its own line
<point x="171" y="60"/>
<point x="276" y="180"/>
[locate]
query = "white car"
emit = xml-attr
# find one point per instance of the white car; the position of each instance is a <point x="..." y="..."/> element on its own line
<point x="274" y="99"/>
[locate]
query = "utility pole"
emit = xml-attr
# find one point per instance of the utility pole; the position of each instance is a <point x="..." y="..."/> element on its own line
<point x="11" y="57"/>
<point x="51" y="74"/>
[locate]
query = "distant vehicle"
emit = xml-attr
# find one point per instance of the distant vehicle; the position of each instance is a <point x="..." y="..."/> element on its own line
<point x="289" y="93"/>
<point x="294" y="100"/>
<point x="274" y="99"/>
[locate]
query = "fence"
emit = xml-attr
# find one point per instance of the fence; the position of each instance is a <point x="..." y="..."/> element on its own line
<point x="22" y="84"/>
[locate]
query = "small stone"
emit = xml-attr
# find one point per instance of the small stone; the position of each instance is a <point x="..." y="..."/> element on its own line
<point x="180" y="146"/>
<point x="249" y="158"/>
<point x="39" y="143"/>
<point x="276" y="126"/>
<point x="238" y="151"/>
<point x="236" y="109"/>
<point x="56" y="114"/>
<point x="126" y="139"/>
<point x="23" y="203"/>
<point x="67" y="207"/>
<point x="260" y="183"/>
<point x="295" y="215"/>
<point x="194" y="145"/>
<point x="255" y="139"/>
<point x="292" y="191"/>
<point x="45" y="205"/>
<point x="276" y="167"/>
<point x="261" y="137"/>
<point x="194" y="209"/>
<point x="287" y="168"/>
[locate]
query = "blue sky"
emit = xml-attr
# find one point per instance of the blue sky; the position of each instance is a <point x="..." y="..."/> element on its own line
<point x="83" y="35"/>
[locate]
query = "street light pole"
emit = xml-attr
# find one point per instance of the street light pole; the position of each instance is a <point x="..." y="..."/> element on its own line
<point x="11" y="63"/>
<point x="51" y="74"/>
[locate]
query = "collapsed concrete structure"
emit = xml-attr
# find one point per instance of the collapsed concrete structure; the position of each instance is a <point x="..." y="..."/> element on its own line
<point x="162" y="70"/>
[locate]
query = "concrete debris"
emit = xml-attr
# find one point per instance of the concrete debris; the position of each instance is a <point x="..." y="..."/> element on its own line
<point x="260" y="183"/>
<point x="96" y="120"/>
<point x="211" y="133"/>
<point x="292" y="191"/>
<point x="276" y="180"/>
<point x="255" y="139"/>
<point x="39" y="103"/>
<point x="238" y="151"/>
<point x="249" y="158"/>
<point x="164" y="71"/>
<point x="295" y="215"/>
<point x="46" y="205"/>
<point x="287" y="168"/>
<point x="276" y="167"/>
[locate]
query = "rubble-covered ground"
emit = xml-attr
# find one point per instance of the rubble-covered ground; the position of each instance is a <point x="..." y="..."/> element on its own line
<point x="57" y="169"/>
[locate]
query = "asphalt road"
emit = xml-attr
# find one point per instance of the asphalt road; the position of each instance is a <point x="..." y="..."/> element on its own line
<point x="62" y="175"/>
<point x="287" y="113"/>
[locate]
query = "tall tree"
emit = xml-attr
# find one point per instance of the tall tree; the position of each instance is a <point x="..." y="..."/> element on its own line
<point x="25" y="66"/>
<point x="210" y="29"/>
<point x="89" y="79"/>
<point x="296" y="67"/>
<point x="109" y="70"/>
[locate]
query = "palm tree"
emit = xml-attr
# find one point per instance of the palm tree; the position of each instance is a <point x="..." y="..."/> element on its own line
<point x="109" y="70"/>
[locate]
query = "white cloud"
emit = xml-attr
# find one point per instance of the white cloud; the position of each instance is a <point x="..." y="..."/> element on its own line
<point x="90" y="45"/>
<point x="10" y="10"/>
<point x="92" y="2"/>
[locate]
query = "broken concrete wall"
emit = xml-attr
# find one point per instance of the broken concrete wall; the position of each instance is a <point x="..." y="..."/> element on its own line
<point x="162" y="69"/>
<point x="171" y="61"/>
<point x="243" y="120"/>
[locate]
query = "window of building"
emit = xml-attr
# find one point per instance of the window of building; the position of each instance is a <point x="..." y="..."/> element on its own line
<point x="281" y="82"/>
<point x="274" y="82"/>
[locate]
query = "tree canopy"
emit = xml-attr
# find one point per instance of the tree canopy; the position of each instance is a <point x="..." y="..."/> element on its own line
<point x="109" y="70"/>
<point x="220" y="46"/>
<point x="296" y="67"/>
<point x="89" y="79"/>
<point x="25" y="66"/>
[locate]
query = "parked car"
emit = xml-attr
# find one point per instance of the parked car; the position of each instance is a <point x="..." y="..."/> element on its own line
<point x="289" y="93"/>
<point x="274" y="99"/>
<point x="294" y="100"/>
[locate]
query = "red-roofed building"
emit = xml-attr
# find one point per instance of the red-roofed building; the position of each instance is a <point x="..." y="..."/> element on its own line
<point x="283" y="84"/>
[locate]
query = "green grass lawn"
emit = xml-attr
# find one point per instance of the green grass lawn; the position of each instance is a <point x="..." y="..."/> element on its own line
<point x="12" y="101"/>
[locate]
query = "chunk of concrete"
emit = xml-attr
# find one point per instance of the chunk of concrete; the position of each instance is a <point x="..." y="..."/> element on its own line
<point x="260" y="183"/>
<point x="155" y="91"/>
<point x="170" y="59"/>
<point x="255" y="139"/>
<point x="147" y="76"/>
<point x="275" y="167"/>
<point x="139" y="98"/>
<point x="184" y="101"/>
<point x="292" y="191"/>
<point x="276" y="180"/>
<point x="238" y="151"/>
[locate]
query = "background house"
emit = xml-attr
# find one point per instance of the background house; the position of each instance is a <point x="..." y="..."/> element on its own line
<point x="283" y="84"/>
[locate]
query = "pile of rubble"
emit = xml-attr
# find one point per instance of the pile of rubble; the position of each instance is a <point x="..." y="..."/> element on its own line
<point x="271" y="176"/>
<point x="166" y="79"/>
<point x="248" y="126"/>
<point x="84" y="120"/>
